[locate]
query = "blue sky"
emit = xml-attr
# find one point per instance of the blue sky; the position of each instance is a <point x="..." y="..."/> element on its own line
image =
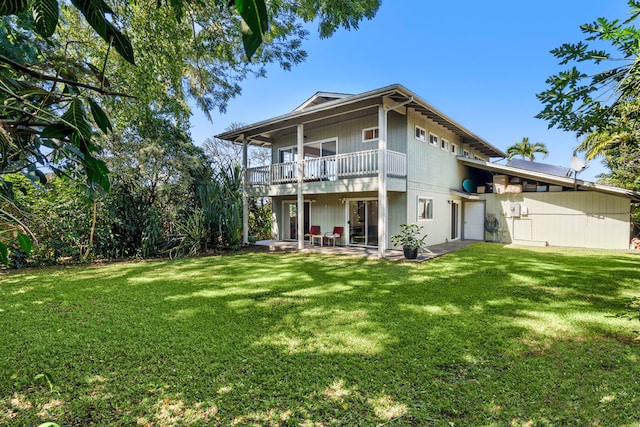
<point x="480" y="63"/>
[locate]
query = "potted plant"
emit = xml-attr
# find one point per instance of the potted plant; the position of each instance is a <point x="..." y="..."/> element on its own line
<point x="409" y="240"/>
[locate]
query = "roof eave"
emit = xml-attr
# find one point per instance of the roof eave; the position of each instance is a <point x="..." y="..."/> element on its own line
<point x="467" y="136"/>
<point x="566" y="182"/>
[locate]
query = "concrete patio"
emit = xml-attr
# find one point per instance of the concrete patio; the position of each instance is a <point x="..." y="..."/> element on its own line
<point x="392" y="255"/>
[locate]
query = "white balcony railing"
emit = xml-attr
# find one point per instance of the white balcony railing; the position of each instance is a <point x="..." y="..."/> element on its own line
<point x="329" y="168"/>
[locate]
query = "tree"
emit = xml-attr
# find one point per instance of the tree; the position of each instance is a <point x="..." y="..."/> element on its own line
<point x="61" y="83"/>
<point x="602" y="104"/>
<point x="221" y="153"/>
<point x="598" y="103"/>
<point x="526" y="150"/>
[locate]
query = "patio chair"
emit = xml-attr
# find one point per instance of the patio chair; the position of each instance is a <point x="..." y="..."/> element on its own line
<point x="335" y="234"/>
<point x="314" y="233"/>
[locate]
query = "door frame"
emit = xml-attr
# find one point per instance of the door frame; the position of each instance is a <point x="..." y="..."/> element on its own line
<point x="479" y="221"/>
<point x="348" y="224"/>
<point x="285" y="225"/>
<point x="457" y="205"/>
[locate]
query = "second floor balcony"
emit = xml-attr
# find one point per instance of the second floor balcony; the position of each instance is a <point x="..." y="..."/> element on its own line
<point x="329" y="168"/>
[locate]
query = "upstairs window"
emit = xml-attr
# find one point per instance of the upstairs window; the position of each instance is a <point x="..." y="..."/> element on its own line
<point x="421" y="134"/>
<point x="434" y="140"/>
<point x="454" y="149"/>
<point x="425" y="208"/>
<point x="370" y="134"/>
<point x="465" y="153"/>
<point x="444" y="144"/>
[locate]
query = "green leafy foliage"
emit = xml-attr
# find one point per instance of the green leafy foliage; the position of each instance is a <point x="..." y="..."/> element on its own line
<point x="602" y="107"/>
<point x="4" y="254"/>
<point x="66" y="98"/>
<point x="95" y="12"/>
<point x="409" y="237"/>
<point x="526" y="150"/>
<point x="254" y="16"/>
<point x="45" y="16"/>
<point x="10" y="7"/>
<point x="192" y="235"/>
<point x="585" y="101"/>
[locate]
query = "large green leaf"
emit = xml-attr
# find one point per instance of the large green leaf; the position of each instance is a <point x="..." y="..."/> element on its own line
<point x="94" y="11"/>
<point x="45" y="15"/>
<point x="100" y="117"/>
<point x="178" y="8"/>
<point x="56" y="130"/>
<point x="77" y="117"/>
<point x="11" y="7"/>
<point x="254" y="14"/>
<point x="4" y="254"/>
<point x="25" y="243"/>
<point x="97" y="172"/>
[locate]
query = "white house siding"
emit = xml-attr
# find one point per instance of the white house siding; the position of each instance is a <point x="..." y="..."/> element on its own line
<point x="433" y="173"/>
<point x="349" y="134"/>
<point x="584" y="219"/>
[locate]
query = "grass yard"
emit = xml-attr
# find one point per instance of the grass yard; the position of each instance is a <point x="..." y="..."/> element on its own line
<point x="489" y="335"/>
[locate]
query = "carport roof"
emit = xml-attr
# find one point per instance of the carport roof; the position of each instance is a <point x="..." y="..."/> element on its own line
<point x="578" y="184"/>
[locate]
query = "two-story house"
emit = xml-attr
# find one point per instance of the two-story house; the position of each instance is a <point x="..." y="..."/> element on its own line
<point x="372" y="161"/>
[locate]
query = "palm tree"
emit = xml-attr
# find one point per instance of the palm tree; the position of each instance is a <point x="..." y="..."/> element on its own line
<point x="526" y="150"/>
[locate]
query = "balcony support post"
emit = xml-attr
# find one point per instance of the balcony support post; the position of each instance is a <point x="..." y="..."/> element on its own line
<point x="382" y="180"/>
<point x="300" y="179"/>
<point x="245" y="197"/>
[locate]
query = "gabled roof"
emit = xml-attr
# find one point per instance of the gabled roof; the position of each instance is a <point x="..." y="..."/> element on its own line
<point x="320" y="98"/>
<point x="325" y="105"/>
<point x="540" y="167"/>
<point x="578" y="184"/>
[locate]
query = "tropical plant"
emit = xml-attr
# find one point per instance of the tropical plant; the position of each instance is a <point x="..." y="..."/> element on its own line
<point x="526" y="150"/>
<point x="192" y="235"/>
<point x="585" y="102"/>
<point x="602" y="106"/>
<point x="221" y="202"/>
<point x="260" y="210"/>
<point x="409" y="237"/>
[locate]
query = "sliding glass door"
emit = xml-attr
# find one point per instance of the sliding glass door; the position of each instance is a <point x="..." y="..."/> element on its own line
<point x="363" y="222"/>
<point x="290" y="218"/>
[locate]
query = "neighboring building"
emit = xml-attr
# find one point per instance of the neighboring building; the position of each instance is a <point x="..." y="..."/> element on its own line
<point x="373" y="161"/>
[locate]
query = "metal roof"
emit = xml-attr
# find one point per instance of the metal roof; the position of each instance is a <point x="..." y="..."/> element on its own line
<point x="540" y="167"/>
<point x="262" y="133"/>
<point x="578" y="184"/>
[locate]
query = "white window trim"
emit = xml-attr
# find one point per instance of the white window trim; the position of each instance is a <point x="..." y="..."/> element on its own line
<point x="320" y="141"/>
<point x="453" y="149"/>
<point x="430" y="199"/>
<point x="423" y="132"/>
<point x="435" y="143"/>
<point x="445" y="143"/>
<point x="372" y="139"/>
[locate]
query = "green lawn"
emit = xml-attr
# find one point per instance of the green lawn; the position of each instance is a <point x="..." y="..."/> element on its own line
<point x="489" y="336"/>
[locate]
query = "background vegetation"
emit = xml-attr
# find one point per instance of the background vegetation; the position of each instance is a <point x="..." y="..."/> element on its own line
<point x="488" y="335"/>
<point x="91" y="87"/>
